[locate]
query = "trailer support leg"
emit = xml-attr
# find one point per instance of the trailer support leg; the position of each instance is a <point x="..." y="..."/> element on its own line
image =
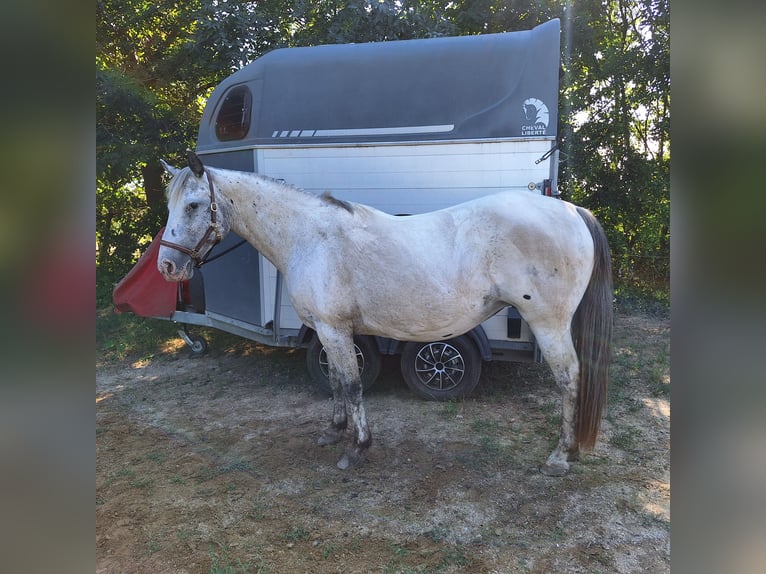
<point x="184" y="334"/>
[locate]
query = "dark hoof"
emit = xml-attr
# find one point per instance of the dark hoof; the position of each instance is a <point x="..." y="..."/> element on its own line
<point x="330" y="436"/>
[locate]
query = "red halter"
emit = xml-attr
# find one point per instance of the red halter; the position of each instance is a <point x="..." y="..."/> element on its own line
<point x="213" y="229"/>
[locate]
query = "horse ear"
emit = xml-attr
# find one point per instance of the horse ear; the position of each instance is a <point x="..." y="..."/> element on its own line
<point x="195" y="163"/>
<point x="169" y="168"/>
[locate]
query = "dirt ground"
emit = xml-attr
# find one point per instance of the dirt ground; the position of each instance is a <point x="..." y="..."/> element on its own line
<point x="210" y="465"/>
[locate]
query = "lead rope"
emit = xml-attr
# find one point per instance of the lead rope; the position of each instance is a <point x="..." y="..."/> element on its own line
<point x="224" y="252"/>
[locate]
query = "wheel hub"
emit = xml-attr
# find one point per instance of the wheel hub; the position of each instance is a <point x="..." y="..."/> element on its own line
<point x="440" y="366"/>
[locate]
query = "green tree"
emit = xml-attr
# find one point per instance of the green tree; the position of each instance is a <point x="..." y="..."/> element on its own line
<point x="143" y="113"/>
<point x="616" y="132"/>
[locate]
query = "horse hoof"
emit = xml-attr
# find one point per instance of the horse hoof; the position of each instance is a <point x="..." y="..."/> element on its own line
<point x="549" y="469"/>
<point x="349" y="460"/>
<point x="330" y="436"/>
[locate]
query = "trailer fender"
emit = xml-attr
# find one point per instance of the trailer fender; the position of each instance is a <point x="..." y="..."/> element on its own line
<point x="480" y="339"/>
<point x="305" y="334"/>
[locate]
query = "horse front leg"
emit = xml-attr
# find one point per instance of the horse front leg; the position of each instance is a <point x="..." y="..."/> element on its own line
<point x="560" y="354"/>
<point x="334" y="433"/>
<point x="341" y="356"/>
<point x="352" y="390"/>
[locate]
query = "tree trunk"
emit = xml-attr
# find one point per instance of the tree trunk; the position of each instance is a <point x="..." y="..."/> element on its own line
<point x="153" y="185"/>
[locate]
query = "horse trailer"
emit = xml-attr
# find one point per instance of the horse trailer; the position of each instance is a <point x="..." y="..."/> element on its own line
<point x="403" y="126"/>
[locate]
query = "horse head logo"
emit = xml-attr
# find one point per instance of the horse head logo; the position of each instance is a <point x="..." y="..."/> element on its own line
<point x="536" y="111"/>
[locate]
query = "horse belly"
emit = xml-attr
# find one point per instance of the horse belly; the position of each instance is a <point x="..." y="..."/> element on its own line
<point x="421" y="287"/>
<point x="422" y="315"/>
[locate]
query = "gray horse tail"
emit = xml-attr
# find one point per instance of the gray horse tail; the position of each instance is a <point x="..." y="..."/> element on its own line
<point x="592" y="335"/>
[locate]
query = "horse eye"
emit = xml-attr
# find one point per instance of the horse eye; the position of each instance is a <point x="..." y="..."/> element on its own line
<point x="194" y="205"/>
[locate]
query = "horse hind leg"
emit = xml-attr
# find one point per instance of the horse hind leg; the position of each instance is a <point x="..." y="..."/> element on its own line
<point x="559" y="352"/>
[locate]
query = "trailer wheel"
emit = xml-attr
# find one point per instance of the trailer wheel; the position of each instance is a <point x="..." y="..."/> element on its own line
<point x="367" y="357"/>
<point x="442" y="370"/>
<point x="198" y="345"/>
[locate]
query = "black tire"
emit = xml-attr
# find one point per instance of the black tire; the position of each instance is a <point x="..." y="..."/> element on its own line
<point x="198" y="346"/>
<point x="367" y="356"/>
<point x="442" y="370"/>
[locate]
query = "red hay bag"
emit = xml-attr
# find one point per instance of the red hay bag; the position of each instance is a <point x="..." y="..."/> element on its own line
<point x="144" y="291"/>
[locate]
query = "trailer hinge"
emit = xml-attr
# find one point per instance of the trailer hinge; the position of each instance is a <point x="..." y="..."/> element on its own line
<point x="545" y="187"/>
<point x="548" y="188"/>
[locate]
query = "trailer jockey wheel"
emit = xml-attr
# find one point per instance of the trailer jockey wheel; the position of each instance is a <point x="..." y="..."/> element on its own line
<point x="442" y="370"/>
<point x="198" y="346"/>
<point x="367" y="357"/>
<point x="196" y="343"/>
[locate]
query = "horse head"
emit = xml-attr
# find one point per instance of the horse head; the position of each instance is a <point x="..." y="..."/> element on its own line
<point x="196" y="222"/>
<point x="536" y="111"/>
<point x="530" y="112"/>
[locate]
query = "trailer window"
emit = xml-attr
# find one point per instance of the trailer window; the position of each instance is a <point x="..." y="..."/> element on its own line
<point x="233" y="118"/>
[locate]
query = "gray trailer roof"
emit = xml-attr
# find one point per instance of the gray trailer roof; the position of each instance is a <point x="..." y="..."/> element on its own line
<point x="467" y="87"/>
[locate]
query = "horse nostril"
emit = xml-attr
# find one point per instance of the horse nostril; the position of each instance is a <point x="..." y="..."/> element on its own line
<point x="169" y="267"/>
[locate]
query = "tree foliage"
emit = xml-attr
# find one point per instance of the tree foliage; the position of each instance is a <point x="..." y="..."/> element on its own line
<point x="617" y="91"/>
<point x="156" y="63"/>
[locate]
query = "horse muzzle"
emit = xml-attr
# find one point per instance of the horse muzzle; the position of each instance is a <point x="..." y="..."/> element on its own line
<point x="198" y="255"/>
<point x="173" y="270"/>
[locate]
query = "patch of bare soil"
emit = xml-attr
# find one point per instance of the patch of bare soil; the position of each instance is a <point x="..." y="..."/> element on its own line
<point x="210" y="465"/>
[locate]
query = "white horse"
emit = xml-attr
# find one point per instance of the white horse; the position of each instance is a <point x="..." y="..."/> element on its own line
<point x="353" y="269"/>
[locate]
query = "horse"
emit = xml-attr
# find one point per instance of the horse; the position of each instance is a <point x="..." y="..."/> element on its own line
<point x="351" y="269"/>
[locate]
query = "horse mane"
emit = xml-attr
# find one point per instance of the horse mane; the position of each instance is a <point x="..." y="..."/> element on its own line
<point x="325" y="197"/>
<point x="179" y="180"/>
<point x="328" y="198"/>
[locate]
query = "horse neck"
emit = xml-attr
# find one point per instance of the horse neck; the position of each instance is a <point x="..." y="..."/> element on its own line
<point x="269" y="214"/>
